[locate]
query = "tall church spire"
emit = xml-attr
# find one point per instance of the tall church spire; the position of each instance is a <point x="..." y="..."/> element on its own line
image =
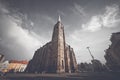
<point x="59" y="18"/>
<point x="58" y="42"/>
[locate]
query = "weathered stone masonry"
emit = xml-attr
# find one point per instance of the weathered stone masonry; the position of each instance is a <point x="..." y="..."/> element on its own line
<point x="55" y="56"/>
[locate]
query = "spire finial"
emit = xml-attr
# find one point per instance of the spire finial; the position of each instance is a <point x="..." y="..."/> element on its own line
<point x="59" y="19"/>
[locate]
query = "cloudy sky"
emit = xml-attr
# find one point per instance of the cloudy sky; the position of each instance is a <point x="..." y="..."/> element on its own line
<point x="25" y="25"/>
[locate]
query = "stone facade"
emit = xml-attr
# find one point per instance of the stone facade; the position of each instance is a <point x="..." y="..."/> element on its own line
<point x="112" y="55"/>
<point x="55" y="56"/>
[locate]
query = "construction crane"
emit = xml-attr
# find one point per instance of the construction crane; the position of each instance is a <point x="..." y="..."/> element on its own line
<point x="90" y="52"/>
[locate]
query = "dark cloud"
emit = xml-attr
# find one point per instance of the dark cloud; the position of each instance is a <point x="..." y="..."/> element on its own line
<point x="13" y="36"/>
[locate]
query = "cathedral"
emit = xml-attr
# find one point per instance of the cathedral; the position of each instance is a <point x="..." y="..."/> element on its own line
<point x="55" y="56"/>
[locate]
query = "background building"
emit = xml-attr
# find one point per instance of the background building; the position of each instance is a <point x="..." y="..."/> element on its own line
<point x="112" y="55"/>
<point x="4" y="66"/>
<point x="85" y="67"/>
<point x="17" y="66"/>
<point x="96" y="64"/>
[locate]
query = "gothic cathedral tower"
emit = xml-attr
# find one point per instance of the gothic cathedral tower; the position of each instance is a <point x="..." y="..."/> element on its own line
<point x="58" y="41"/>
<point x="55" y="56"/>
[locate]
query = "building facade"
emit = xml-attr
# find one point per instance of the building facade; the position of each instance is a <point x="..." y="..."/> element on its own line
<point x="112" y="55"/>
<point x="4" y="66"/>
<point x="54" y="57"/>
<point x="17" y="66"/>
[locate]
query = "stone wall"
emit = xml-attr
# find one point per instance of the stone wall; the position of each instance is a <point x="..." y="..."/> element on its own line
<point x="112" y="55"/>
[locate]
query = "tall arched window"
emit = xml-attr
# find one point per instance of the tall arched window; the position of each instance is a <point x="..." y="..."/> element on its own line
<point x="62" y="64"/>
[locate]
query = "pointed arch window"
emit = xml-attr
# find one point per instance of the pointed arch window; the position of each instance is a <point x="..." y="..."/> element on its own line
<point x="62" y="64"/>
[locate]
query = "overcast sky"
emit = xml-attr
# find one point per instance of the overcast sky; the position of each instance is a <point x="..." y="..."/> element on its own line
<point x="25" y="25"/>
